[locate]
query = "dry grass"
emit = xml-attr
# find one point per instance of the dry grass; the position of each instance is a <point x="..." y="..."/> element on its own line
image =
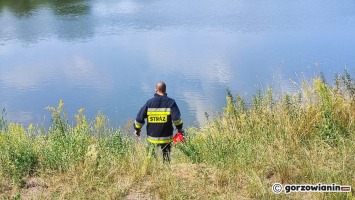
<point x="306" y="137"/>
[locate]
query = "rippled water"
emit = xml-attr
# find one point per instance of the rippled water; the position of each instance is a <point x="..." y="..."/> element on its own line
<point x="106" y="55"/>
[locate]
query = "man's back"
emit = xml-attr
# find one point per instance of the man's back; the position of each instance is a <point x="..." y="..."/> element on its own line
<point x="161" y="112"/>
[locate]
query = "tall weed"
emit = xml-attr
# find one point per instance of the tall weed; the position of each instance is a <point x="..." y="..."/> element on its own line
<point x="295" y="138"/>
<point x="291" y="138"/>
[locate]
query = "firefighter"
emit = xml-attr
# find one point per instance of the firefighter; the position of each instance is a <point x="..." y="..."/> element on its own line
<point x="161" y="113"/>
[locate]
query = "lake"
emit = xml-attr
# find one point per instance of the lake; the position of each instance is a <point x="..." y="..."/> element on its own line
<point x="106" y="55"/>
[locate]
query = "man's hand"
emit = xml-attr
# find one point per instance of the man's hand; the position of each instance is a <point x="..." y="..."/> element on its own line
<point x="137" y="133"/>
<point x="182" y="132"/>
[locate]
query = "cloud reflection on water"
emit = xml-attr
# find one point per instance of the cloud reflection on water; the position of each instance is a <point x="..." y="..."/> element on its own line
<point x="107" y="55"/>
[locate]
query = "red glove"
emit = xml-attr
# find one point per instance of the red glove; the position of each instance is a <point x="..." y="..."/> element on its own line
<point x="179" y="137"/>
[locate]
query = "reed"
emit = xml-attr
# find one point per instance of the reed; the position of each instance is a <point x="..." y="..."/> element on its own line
<point x="305" y="137"/>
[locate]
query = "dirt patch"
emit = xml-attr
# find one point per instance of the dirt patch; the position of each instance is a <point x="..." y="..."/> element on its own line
<point x="142" y="191"/>
<point x="133" y="195"/>
<point x="34" y="188"/>
<point x="4" y="185"/>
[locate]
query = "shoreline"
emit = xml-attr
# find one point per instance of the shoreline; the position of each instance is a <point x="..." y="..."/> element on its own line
<point x="300" y="138"/>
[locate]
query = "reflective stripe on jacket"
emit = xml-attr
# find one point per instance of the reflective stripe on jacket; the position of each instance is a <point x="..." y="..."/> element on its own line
<point x="159" y="140"/>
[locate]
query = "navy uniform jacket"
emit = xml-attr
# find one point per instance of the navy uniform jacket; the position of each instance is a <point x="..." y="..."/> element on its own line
<point x="161" y="113"/>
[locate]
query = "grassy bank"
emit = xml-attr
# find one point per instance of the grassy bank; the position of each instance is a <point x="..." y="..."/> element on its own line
<point x="299" y="138"/>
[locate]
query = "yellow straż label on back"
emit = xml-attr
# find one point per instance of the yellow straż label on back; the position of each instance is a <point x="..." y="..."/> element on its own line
<point x="157" y="118"/>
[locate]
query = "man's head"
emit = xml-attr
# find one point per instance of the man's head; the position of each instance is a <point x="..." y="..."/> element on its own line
<point x="160" y="88"/>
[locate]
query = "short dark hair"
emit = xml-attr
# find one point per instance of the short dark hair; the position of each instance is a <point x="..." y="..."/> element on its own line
<point x="160" y="86"/>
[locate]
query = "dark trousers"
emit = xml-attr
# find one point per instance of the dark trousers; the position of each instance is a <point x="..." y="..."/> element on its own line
<point x="166" y="149"/>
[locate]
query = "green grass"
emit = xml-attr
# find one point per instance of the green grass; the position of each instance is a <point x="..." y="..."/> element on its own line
<point x="295" y="138"/>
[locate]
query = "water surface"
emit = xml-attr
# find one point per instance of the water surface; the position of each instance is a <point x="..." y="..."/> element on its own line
<point x="106" y="55"/>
